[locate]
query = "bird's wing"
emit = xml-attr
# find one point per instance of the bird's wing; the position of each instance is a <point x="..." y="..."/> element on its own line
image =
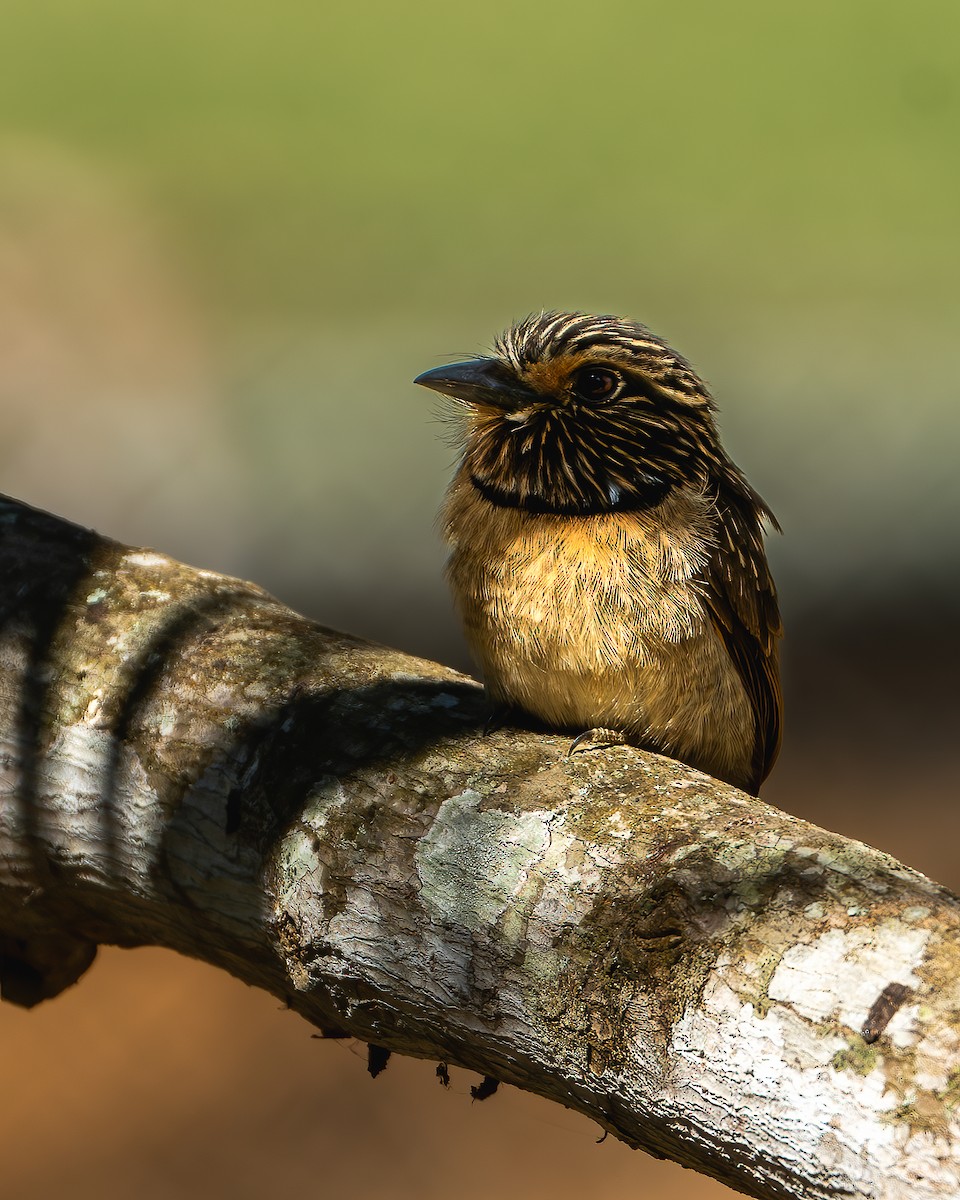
<point x="742" y="601"/>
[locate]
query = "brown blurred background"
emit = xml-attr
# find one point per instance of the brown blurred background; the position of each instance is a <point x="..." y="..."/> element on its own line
<point x="230" y="235"/>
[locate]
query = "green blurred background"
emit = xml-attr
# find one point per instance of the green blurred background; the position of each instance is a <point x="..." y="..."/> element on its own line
<point x="231" y="234"/>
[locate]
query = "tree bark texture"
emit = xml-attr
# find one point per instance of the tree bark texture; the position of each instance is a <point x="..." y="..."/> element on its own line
<point x="185" y="762"/>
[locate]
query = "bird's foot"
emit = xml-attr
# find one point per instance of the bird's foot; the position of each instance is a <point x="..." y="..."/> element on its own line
<point x="500" y="715"/>
<point x="596" y="739"/>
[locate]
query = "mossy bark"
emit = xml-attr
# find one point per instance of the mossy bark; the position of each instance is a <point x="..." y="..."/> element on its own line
<point x="186" y="762"/>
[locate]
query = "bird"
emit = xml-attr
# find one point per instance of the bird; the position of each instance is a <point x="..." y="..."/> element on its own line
<point x="607" y="557"/>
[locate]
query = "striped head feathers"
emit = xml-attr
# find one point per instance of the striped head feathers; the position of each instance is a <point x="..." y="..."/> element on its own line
<point x="577" y="415"/>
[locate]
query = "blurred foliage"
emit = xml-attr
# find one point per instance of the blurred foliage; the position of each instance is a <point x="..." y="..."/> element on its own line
<point x="350" y="159"/>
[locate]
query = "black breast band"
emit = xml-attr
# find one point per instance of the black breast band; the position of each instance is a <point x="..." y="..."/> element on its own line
<point x="649" y="494"/>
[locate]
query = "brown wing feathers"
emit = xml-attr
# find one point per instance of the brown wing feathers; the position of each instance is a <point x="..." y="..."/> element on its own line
<point x="742" y="602"/>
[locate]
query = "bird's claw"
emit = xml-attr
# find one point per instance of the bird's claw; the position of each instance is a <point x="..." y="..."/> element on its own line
<point x="596" y="739"/>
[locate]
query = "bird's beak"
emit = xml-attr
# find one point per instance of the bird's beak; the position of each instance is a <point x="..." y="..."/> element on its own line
<point x="479" y="381"/>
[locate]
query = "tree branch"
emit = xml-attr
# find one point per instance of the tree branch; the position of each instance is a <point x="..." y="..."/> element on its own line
<point x="185" y="762"/>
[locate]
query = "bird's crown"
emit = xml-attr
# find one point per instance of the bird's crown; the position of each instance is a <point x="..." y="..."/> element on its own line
<point x="596" y="359"/>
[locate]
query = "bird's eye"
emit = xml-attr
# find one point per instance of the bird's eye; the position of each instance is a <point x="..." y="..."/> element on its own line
<point x="596" y="384"/>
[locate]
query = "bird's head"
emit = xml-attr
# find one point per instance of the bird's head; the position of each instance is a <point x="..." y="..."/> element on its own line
<point x="579" y="414"/>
